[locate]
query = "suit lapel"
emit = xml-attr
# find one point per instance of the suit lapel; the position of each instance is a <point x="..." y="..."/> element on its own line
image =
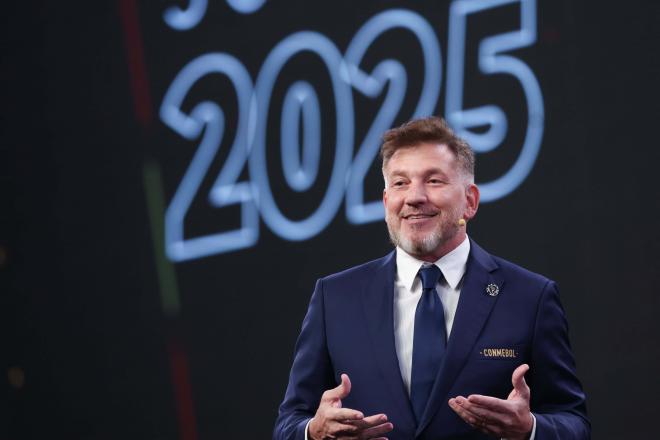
<point x="472" y="312"/>
<point x="378" y="301"/>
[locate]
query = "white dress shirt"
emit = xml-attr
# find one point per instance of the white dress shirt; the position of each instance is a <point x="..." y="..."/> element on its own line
<point x="408" y="291"/>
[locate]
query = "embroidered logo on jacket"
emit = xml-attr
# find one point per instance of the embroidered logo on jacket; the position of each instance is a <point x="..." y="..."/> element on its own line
<point x="500" y="353"/>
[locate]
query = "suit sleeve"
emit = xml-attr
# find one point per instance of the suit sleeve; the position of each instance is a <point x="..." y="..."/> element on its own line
<point x="557" y="399"/>
<point x="311" y="373"/>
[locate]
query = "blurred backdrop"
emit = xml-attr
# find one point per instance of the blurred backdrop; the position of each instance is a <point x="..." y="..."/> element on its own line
<point x="175" y="175"/>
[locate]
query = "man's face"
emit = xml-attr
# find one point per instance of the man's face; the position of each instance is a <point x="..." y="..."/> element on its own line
<point x="425" y="197"/>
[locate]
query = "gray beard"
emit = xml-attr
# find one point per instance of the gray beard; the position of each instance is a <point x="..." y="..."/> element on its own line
<point x="422" y="247"/>
<point x="428" y="244"/>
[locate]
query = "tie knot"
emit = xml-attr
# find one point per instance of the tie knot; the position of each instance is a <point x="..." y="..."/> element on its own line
<point x="430" y="276"/>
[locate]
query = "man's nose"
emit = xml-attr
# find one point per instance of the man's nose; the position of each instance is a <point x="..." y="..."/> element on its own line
<point x="416" y="194"/>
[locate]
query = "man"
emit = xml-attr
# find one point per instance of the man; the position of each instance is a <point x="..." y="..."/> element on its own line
<point x="434" y="340"/>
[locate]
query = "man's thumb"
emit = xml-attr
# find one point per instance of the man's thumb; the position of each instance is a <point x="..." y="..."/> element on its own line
<point x="343" y="389"/>
<point x="518" y="379"/>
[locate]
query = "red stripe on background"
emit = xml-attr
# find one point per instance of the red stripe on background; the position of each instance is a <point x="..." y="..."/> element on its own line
<point x="128" y="13"/>
<point x="182" y="391"/>
<point x="142" y="106"/>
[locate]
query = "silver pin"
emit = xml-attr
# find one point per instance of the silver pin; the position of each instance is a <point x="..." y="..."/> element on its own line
<point x="492" y="289"/>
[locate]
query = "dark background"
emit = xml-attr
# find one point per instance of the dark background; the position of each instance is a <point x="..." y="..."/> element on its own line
<point x="92" y="348"/>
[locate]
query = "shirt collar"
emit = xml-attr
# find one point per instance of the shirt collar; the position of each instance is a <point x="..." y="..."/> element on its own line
<point x="452" y="265"/>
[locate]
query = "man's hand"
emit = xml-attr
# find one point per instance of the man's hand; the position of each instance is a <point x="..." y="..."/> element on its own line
<point x="334" y="422"/>
<point x="510" y="418"/>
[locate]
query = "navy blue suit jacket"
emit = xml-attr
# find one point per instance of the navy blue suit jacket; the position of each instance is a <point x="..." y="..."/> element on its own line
<point x="349" y="328"/>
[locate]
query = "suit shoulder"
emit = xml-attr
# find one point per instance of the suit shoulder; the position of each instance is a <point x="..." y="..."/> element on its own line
<point x="521" y="274"/>
<point x="356" y="274"/>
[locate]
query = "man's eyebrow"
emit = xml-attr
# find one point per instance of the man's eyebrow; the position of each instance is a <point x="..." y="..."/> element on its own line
<point x="438" y="173"/>
<point x="427" y="172"/>
<point x="397" y="173"/>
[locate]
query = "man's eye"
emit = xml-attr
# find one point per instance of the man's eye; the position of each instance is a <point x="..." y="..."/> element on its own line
<point x="398" y="183"/>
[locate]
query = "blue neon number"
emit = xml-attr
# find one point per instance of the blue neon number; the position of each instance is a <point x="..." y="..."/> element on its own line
<point x="301" y="100"/>
<point x="246" y="6"/>
<point x="272" y="216"/>
<point x="209" y="118"/>
<point x="492" y="61"/>
<point x="371" y="85"/>
<point x="185" y="19"/>
<point x="301" y="114"/>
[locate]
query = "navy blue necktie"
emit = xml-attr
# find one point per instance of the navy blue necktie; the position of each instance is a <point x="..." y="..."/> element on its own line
<point x="429" y="340"/>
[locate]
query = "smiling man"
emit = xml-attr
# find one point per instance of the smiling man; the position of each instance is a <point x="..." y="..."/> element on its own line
<point x="439" y="339"/>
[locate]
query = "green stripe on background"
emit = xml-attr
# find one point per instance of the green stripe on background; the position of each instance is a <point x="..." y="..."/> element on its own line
<point x="169" y="291"/>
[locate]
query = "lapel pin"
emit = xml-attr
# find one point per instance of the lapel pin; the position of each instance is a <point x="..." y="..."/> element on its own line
<point x="492" y="289"/>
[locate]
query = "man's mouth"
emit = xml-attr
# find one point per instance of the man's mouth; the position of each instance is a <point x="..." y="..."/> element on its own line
<point x="418" y="216"/>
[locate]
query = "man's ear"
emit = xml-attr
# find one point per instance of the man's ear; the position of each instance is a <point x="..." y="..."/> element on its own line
<point x="472" y="198"/>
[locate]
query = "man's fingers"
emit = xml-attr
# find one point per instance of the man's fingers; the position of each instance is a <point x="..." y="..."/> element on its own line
<point x="501" y="418"/>
<point x="376" y="431"/>
<point x="465" y="412"/>
<point x="466" y="407"/>
<point x="491" y="403"/>
<point x="370" y="421"/>
<point x="371" y="428"/>
<point x="345" y="415"/>
<point x="343" y="429"/>
<point x="485" y="414"/>
<point x="518" y="379"/>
